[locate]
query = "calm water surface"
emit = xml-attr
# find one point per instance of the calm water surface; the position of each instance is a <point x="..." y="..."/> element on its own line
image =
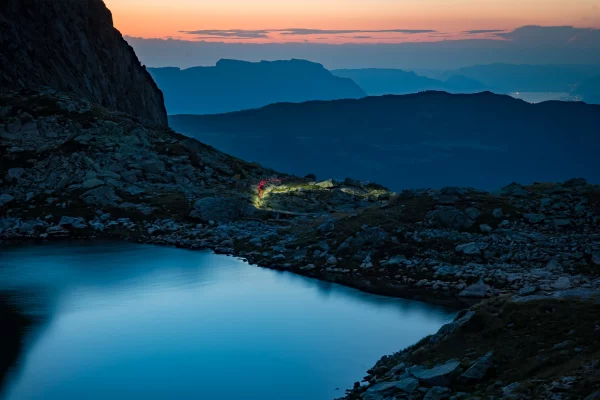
<point x="125" y="321"/>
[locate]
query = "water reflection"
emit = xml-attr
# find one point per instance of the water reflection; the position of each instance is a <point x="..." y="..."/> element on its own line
<point x="125" y="320"/>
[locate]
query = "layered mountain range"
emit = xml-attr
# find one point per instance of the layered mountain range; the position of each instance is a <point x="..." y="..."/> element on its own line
<point x="234" y="85"/>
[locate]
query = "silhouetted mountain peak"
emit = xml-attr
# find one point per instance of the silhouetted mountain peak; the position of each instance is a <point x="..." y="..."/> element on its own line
<point x="72" y="46"/>
<point x="233" y="85"/>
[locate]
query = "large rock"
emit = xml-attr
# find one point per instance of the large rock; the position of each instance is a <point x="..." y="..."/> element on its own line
<point x="472" y="213"/>
<point x="14" y="174"/>
<point x="153" y="167"/>
<point x="562" y="283"/>
<point x="5" y="199"/>
<point x="477" y="290"/>
<point x="383" y="390"/>
<point x="478" y="370"/>
<point x="471" y="248"/>
<point x="440" y="375"/>
<point x="92" y="183"/>
<point x="72" y="46"/>
<point x="103" y="196"/>
<point x="453" y="218"/>
<point x="73" y="222"/>
<point x="437" y="393"/>
<point x="534" y="218"/>
<point x="221" y="209"/>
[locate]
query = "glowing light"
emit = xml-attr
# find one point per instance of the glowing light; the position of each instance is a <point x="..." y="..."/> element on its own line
<point x="263" y="183"/>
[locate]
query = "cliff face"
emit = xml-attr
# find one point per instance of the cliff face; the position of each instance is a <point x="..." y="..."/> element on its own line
<point x="72" y="46"/>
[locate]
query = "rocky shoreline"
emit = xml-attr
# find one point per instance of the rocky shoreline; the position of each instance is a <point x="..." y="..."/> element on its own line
<point x="72" y="170"/>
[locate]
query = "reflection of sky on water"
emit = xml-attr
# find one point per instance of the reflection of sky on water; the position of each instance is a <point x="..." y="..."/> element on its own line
<point x="127" y="320"/>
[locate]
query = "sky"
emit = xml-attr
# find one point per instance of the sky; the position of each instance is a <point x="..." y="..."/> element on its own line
<point x="343" y="21"/>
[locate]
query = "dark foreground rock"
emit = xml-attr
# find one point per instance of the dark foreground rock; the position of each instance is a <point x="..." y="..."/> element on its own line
<point x="542" y="348"/>
<point x="72" y="46"/>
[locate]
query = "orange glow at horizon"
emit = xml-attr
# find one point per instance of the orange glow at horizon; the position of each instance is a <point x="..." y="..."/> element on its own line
<point x="450" y="18"/>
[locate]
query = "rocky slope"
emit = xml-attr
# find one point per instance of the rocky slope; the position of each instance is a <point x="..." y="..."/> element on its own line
<point x="72" y="167"/>
<point x="521" y="347"/>
<point x="72" y="46"/>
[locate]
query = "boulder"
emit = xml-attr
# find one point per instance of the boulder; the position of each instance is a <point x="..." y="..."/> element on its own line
<point x="353" y="183"/>
<point x="472" y="213"/>
<point x="562" y="283"/>
<point x="408" y="385"/>
<point x="383" y="390"/>
<point x="562" y="222"/>
<point x="509" y="390"/>
<point x="395" y="260"/>
<point x="221" y="209"/>
<point x="332" y="260"/>
<point x="440" y="375"/>
<point x="92" y="183"/>
<point x="477" y="290"/>
<point x="73" y="222"/>
<point x="14" y="174"/>
<point x="485" y="228"/>
<point x="370" y="235"/>
<point x="5" y="199"/>
<point x="153" y="167"/>
<point x="453" y="218"/>
<point x="325" y="184"/>
<point x="478" y="370"/>
<point x="450" y="328"/>
<point x="397" y="370"/>
<point x="534" y="218"/>
<point x="516" y="190"/>
<point x="103" y="196"/>
<point x="97" y="226"/>
<point x="527" y="290"/>
<point x="497" y="213"/>
<point x="470" y="248"/>
<point x="437" y="393"/>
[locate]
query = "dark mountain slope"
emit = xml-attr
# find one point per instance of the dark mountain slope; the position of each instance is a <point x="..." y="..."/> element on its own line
<point x="426" y="139"/>
<point x="71" y="46"/>
<point x="238" y="85"/>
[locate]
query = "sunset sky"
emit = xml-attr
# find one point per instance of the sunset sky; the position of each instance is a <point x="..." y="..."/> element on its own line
<point x="342" y="21"/>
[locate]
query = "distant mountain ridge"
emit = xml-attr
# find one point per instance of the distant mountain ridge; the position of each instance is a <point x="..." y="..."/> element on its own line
<point x="589" y="90"/>
<point x="377" y="82"/>
<point x="234" y="85"/>
<point x="498" y="78"/>
<point x="429" y="139"/>
<point x="506" y="78"/>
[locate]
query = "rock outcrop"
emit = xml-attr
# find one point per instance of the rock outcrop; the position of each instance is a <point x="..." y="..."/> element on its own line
<point x="537" y="347"/>
<point x="71" y="46"/>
